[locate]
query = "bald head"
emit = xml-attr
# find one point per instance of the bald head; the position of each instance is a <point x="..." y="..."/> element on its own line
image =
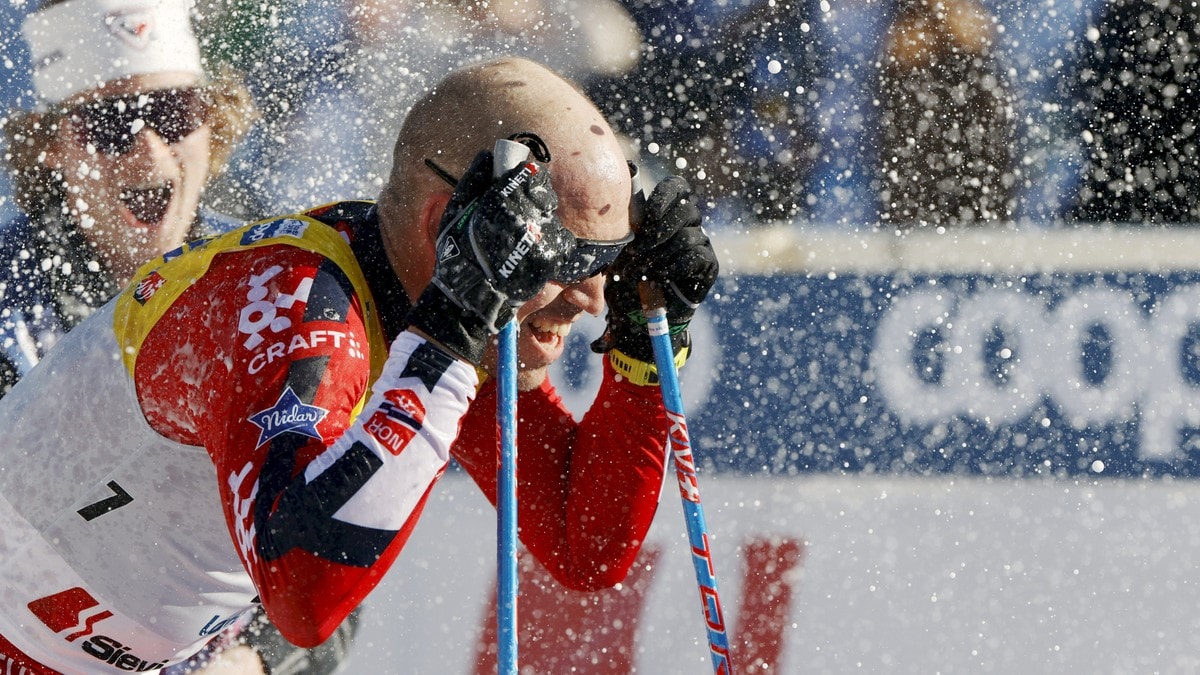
<point x="466" y="113"/>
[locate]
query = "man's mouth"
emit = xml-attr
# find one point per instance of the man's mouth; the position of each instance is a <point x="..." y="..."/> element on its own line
<point x="148" y="205"/>
<point x="547" y="330"/>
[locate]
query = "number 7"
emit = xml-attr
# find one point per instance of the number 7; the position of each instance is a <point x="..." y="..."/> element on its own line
<point x="120" y="498"/>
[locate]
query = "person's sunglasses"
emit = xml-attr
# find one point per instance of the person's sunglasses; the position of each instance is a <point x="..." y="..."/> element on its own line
<point x="112" y="124"/>
<point x="588" y="258"/>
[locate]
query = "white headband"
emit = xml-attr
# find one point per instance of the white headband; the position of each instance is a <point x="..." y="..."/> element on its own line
<point x="81" y="44"/>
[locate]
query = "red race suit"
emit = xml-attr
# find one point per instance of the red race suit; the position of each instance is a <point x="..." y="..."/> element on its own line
<point x="249" y="422"/>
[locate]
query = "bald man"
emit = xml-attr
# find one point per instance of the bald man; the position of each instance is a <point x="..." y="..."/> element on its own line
<point x="258" y="419"/>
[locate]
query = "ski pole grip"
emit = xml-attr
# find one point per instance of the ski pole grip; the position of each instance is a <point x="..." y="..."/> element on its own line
<point x="507" y="155"/>
<point x="651" y="296"/>
<point x="637" y="198"/>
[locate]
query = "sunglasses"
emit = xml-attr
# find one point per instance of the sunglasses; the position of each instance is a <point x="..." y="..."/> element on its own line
<point x="588" y="258"/>
<point x="112" y="124"/>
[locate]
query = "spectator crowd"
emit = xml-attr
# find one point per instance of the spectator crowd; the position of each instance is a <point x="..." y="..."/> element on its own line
<point x="883" y="113"/>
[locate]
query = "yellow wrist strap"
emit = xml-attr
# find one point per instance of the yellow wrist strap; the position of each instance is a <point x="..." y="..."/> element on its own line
<point x="640" y="372"/>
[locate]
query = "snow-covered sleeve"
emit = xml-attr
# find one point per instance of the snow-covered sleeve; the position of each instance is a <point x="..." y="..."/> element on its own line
<point x="319" y="497"/>
<point x="587" y="491"/>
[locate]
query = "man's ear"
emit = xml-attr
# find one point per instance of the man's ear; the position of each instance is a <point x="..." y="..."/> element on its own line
<point x="431" y="215"/>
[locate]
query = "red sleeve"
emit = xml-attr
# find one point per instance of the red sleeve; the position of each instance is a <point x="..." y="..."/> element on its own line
<point x="318" y="503"/>
<point x="587" y="491"/>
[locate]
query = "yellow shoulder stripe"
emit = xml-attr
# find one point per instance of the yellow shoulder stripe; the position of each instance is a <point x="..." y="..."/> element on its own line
<point x="160" y="282"/>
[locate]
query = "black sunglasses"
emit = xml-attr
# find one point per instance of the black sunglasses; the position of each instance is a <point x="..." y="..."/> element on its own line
<point x="110" y="124"/>
<point x="588" y="258"/>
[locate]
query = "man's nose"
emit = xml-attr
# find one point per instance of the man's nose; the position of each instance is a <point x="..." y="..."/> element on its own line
<point x="587" y="295"/>
<point x="147" y="141"/>
<point x="146" y="156"/>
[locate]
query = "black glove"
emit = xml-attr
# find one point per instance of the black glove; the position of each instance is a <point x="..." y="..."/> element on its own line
<point x="669" y="250"/>
<point x="499" y="243"/>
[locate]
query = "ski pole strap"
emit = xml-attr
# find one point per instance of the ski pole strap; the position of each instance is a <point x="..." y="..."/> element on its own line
<point x="640" y="372"/>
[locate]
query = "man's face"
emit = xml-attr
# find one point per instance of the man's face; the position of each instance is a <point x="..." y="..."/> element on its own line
<point x="599" y="212"/>
<point x="134" y="157"/>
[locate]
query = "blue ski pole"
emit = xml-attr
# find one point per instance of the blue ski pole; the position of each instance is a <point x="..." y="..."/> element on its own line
<point x="685" y="470"/>
<point x="507" y="155"/>
<point x="506" y="502"/>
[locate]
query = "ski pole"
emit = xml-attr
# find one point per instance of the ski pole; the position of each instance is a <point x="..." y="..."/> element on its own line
<point x="507" y="155"/>
<point x="653" y="306"/>
<point x="506" y="502"/>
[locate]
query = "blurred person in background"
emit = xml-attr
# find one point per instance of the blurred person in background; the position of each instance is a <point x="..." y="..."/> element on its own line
<point x="110" y="166"/>
<point x="775" y="106"/>
<point x="947" y="123"/>
<point x="1135" y="87"/>
<point x="14" y="90"/>
<point x="109" y="171"/>
<point x="1034" y="41"/>
<point x="730" y="89"/>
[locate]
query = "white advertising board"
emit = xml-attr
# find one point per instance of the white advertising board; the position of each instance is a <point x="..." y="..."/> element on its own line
<point x="856" y="573"/>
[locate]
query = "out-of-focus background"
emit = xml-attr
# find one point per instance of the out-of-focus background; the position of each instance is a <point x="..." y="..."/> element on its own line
<point x="847" y="115"/>
<point x="946" y="394"/>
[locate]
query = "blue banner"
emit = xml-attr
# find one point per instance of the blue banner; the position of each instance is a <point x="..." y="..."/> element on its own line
<point x="1034" y="375"/>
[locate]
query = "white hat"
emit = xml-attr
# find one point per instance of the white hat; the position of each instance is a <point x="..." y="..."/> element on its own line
<point x="82" y="44"/>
